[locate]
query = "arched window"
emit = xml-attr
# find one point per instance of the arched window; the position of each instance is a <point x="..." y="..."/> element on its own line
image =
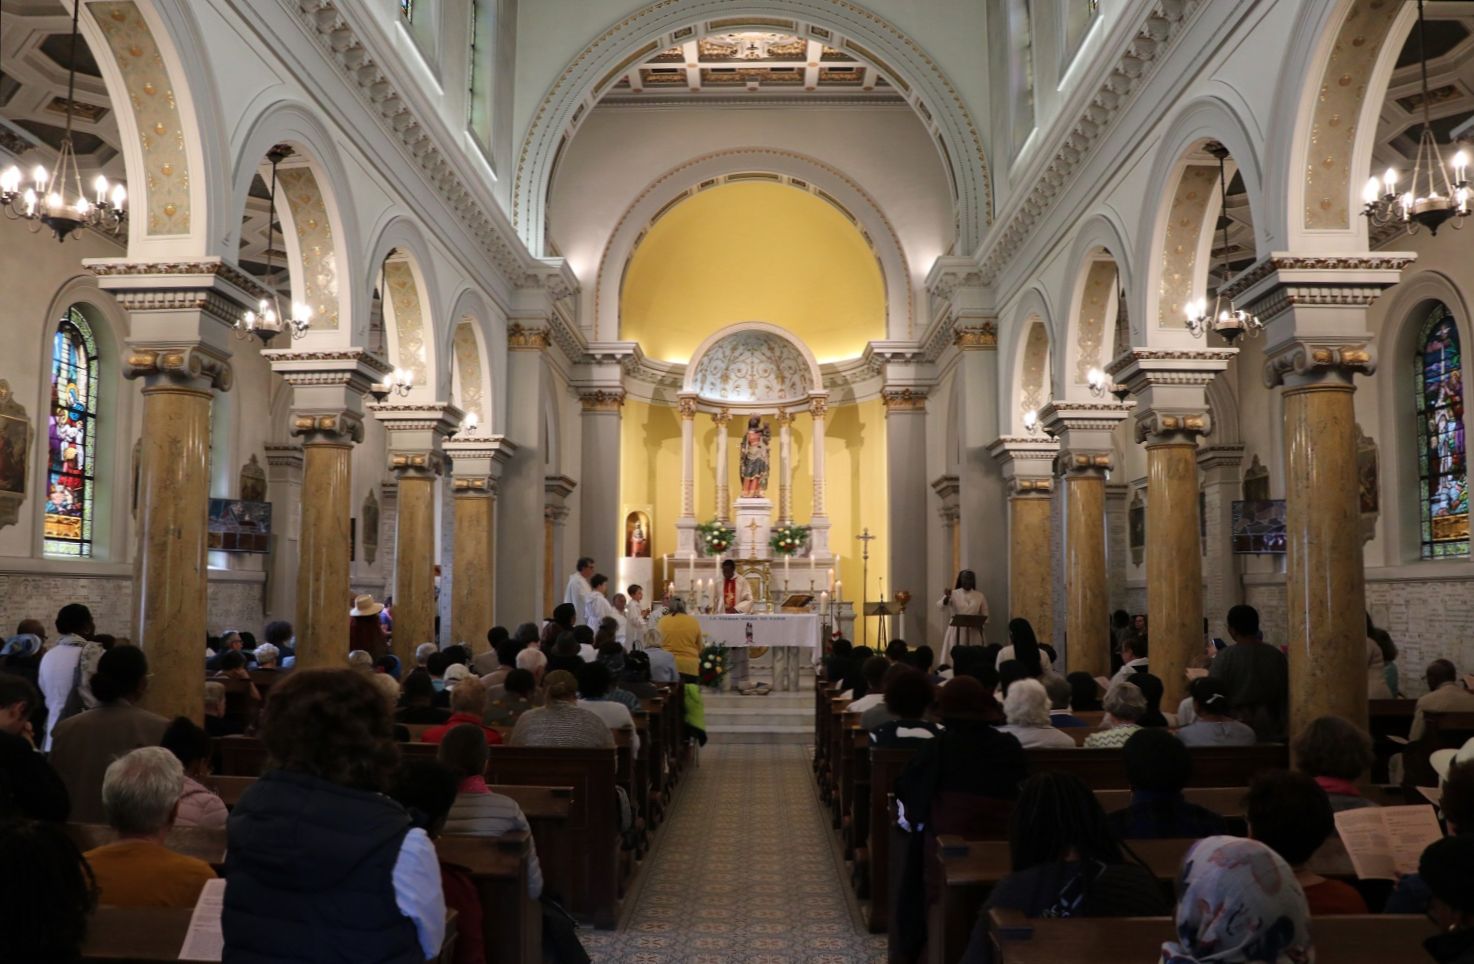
<point x="1442" y="470"/>
<point x="72" y="436"/>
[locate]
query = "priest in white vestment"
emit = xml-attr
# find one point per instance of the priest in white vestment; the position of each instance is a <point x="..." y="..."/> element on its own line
<point x="597" y="605"/>
<point x="578" y="591"/>
<point x="962" y="600"/>
<point x="736" y="598"/>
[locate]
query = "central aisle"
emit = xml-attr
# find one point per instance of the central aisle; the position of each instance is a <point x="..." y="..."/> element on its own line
<point x="744" y="871"/>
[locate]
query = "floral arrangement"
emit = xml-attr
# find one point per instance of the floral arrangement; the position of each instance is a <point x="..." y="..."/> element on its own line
<point x="789" y="540"/>
<point x="716" y="537"/>
<point x="713" y="664"/>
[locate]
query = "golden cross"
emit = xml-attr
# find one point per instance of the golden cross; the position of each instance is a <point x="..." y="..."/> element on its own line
<point x="752" y="527"/>
<point x="865" y="538"/>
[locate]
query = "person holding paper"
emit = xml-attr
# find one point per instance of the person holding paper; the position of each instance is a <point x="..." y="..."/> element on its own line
<point x="1456" y="804"/>
<point x="1292" y="815"/>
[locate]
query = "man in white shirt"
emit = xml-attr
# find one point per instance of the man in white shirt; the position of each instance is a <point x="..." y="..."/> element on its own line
<point x="597" y="605"/>
<point x="622" y="617"/>
<point x="65" y="663"/>
<point x="635" y="614"/>
<point x="578" y="591"/>
<point x="1133" y="660"/>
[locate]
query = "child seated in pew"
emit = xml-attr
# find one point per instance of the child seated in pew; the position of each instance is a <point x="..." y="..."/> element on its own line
<point x="1291" y="814"/>
<point x="476" y="811"/>
<point x="1066" y="863"/>
<point x="1236" y="904"/>
<point x="1158" y="766"/>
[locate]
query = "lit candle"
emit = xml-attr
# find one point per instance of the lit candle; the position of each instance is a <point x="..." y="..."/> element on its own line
<point x="839" y="591"/>
<point x="665" y="568"/>
<point x="831" y="580"/>
<point x="100" y="186"/>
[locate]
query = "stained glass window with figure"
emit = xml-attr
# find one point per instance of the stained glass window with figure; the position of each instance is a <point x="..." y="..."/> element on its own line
<point x="72" y="435"/>
<point x="1442" y="467"/>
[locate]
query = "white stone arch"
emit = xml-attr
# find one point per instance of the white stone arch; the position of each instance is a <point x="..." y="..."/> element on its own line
<point x="151" y="57"/>
<point x="467" y="347"/>
<point x="793" y="169"/>
<point x="113" y="486"/>
<point x="867" y="36"/>
<point x="552" y="430"/>
<point x="309" y="193"/>
<point x="1034" y="307"/>
<point x="1404" y="309"/>
<point x="1103" y="237"/>
<point x="717" y="341"/>
<point x="1174" y="238"/>
<point x="1223" y="406"/>
<point x="412" y="327"/>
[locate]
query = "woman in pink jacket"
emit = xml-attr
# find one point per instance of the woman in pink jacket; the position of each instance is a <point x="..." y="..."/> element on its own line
<point x="199" y="806"/>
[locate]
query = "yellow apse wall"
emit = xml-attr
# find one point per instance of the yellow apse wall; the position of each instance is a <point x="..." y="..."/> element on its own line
<point x="854" y="463"/>
<point x="753" y="251"/>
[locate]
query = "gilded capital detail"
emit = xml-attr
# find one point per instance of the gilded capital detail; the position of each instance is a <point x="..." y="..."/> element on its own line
<point x="185" y="366"/>
<point x="417" y="465"/>
<point x="975" y="337"/>
<point x="1303" y="363"/>
<point x="474" y="486"/>
<point x="327" y="428"/>
<point x="527" y="337"/>
<point x="819" y="407"/>
<point x="686" y="405"/>
<point x="602" y="400"/>
<point x="1031" y="487"/>
<point x="1172" y="427"/>
<point x="1084" y="463"/>
<point x="903" y="399"/>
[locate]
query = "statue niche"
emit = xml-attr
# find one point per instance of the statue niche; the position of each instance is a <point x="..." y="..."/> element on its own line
<point x="754" y="464"/>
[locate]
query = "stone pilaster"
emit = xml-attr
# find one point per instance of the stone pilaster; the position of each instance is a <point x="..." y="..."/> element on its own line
<point x="784" y="419"/>
<point x="946" y="488"/>
<point x="556" y="568"/>
<point x="686" y="524"/>
<point x="1219" y="467"/>
<point x="327" y="417"/>
<point x="905" y="453"/>
<point x="1315" y="310"/>
<point x="1172" y="414"/>
<point x="284" y="478"/>
<point x="819" y="522"/>
<point x="721" y="420"/>
<point x="476" y="466"/>
<point x="520" y="541"/>
<point x="1086" y="456"/>
<point x="599" y="518"/>
<point x="1028" y="468"/>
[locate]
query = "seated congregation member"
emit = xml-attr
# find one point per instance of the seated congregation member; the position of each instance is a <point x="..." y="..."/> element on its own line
<point x="635" y="677"/>
<point x="322" y="866"/>
<point x="140" y="793"/>
<point x="217" y="724"/>
<point x="564" y="655"/>
<point x="874" y="671"/>
<point x="389" y="691"/>
<point x="423" y="653"/>
<point x="1211" y="725"/>
<point x="1255" y="676"/>
<point x="1336" y="753"/>
<point x="516" y="699"/>
<point x="879" y="713"/>
<point x="1060" y="694"/>
<point x="268" y="657"/>
<point x="43" y="912"/>
<point x="611" y="657"/>
<point x="361" y="661"/>
<point x="852" y="684"/>
<point x="922" y="660"/>
<point x="1084" y="693"/>
<point x="1447" y="866"/>
<point x="389" y="665"/>
<point x="1237" y="903"/>
<point x="838" y="659"/>
<point x="505" y="655"/>
<point x="584" y="636"/>
<point x="280" y="635"/>
<point x="427" y="789"/>
<point x="29" y="787"/>
<point x="1446" y="694"/>
<point x="490" y="663"/>
<point x="1456" y="806"/>
<point x="1158" y="766"/>
<point x="476" y="811"/>
<point x="896" y="650"/>
<point x="534" y="661"/>
<point x="662" y="663"/>
<point x="1291" y="814"/>
<point x="455" y="674"/>
<point x="1066" y="862"/>
<point x="1133" y="658"/>
<point x="66" y="668"/>
<point x="907" y="695"/>
<point x="1009" y="672"/>
<point x="1124" y="706"/>
<point x="561" y="722"/>
<point x="1027" y="709"/>
<point x="468" y="707"/>
<point x="231" y="641"/>
<point x="593" y="689"/>
<point x="417" y="699"/>
<point x="1023" y="646"/>
<point x="84" y="745"/>
<point x="1151" y="691"/>
<point x="199" y="806"/>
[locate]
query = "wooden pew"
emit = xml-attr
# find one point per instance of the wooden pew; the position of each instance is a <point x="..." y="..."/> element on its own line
<point x="1229" y="801"/>
<point x="136" y="935"/>
<point x="1388" y="722"/>
<point x="886" y="764"/>
<point x="1213" y="766"/>
<point x="245" y="756"/>
<point x="511" y="921"/>
<point x="1356" y="939"/>
<point x="593" y="821"/>
<point x="1441" y="730"/>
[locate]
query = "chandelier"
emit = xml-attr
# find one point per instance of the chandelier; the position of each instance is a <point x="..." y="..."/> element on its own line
<point x="55" y="198"/>
<point x="1100" y="384"/>
<point x="268" y="321"/>
<point x="1431" y="198"/>
<point x="1226" y="320"/>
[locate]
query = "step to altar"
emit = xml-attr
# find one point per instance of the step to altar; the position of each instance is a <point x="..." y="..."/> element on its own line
<point x="775" y="718"/>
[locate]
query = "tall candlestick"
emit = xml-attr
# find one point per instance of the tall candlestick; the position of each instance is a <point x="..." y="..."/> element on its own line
<point x="665" y="568"/>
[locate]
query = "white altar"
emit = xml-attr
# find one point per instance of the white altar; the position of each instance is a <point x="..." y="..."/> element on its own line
<point x="785" y="633"/>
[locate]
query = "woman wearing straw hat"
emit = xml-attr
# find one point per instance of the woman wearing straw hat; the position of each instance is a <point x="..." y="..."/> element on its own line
<point x="364" y="631"/>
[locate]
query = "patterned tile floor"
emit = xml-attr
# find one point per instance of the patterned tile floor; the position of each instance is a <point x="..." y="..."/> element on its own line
<point x="746" y="870"/>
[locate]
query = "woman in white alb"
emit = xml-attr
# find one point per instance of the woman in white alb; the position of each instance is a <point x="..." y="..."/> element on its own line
<point x="962" y="600"/>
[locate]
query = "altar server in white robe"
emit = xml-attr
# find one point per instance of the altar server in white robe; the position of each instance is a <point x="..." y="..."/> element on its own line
<point x="962" y="600"/>
<point x="636" y="625"/>
<point x="597" y="606"/>
<point x="578" y="591"/>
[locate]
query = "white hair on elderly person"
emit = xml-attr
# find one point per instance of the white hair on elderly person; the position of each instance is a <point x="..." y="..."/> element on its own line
<point x="267" y="656"/>
<point x="140" y="791"/>
<point x="532" y="660"/>
<point x="423" y="651"/>
<point x="361" y="660"/>
<point x="388" y="687"/>
<point x="1027" y="703"/>
<point x="1124" y="702"/>
<point x="214" y="698"/>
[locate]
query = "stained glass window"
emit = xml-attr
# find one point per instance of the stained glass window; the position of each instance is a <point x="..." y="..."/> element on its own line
<point x="1442" y="469"/>
<point x="72" y="436"/>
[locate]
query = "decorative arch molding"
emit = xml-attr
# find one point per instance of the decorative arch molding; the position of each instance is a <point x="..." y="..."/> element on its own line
<point x="1102" y="236"/>
<point x="412" y="329"/>
<point x="472" y="374"/>
<point x="319" y="232"/>
<point x="1174" y="238"/>
<point x="840" y="23"/>
<point x="1223" y="405"/>
<point x="1033" y="308"/>
<point x="775" y="166"/>
<point x="175" y="152"/>
<point x="762" y="350"/>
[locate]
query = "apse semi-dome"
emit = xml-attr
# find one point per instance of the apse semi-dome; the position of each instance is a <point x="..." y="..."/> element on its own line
<point x="752" y="365"/>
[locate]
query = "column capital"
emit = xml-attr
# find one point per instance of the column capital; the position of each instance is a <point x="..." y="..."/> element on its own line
<point x="946" y="487"/>
<point x="975" y="336"/>
<point x="721" y="417"/>
<point x="601" y="400"/>
<point x="286" y="457"/>
<point x="1084" y="431"/>
<point x="211" y="287"/>
<point x="328" y="388"/>
<point x="1172" y="386"/>
<point x="906" y="399"/>
<point x="1299" y="364"/>
<point x="189" y="365"/>
<point x="417" y="434"/>
<point x="558" y="487"/>
<point x="686" y="405"/>
<point x="477" y="461"/>
<point x="528" y="335"/>
<point x="556" y="514"/>
<point x="819" y="405"/>
<point x="327" y="428"/>
<point x="783" y="416"/>
<point x="1027" y="463"/>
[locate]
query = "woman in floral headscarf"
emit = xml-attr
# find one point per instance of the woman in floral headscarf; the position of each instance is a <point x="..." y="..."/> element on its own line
<point x="1238" y="903"/>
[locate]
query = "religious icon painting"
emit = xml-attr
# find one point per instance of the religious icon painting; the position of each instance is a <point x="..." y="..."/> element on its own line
<point x="72" y="436"/>
<point x="15" y="442"/>
<point x="1442" y="467"/>
<point x="637" y="535"/>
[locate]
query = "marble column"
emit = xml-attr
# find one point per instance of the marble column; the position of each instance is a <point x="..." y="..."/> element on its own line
<point x="327" y="417"/>
<point x="284" y="478"/>
<point x="723" y="485"/>
<point x="1085" y="458"/>
<point x="1315" y="310"/>
<point x="417" y="432"/>
<point x="520" y="553"/>
<point x="476" y="463"/>
<point x="784" y="419"/>
<point x="905" y="453"/>
<point x="1027" y="463"/>
<point x="559" y="562"/>
<point x="819" y="522"/>
<point x="1219" y="466"/>
<point x="686" y="524"/>
<point x="600" y="522"/>
<point x="1171" y="415"/>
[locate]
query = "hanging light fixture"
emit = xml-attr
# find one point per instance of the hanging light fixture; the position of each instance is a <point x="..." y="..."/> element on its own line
<point x="1100" y="383"/>
<point x="399" y="382"/>
<point x="1031" y="422"/>
<point x="1432" y="198"/>
<point x="56" y="198"/>
<point x="268" y="321"/>
<point x="1226" y="320"/>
